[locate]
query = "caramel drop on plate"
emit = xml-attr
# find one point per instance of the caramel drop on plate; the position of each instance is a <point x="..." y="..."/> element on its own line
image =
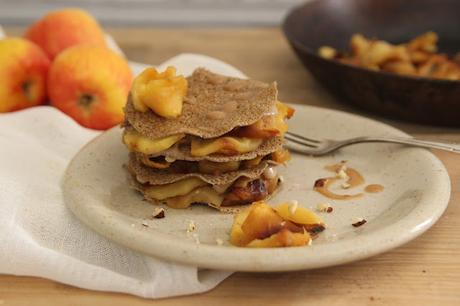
<point x="374" y="188"/>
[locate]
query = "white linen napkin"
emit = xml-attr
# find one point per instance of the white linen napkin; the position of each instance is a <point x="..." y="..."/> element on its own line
<point x="39" y="236"/>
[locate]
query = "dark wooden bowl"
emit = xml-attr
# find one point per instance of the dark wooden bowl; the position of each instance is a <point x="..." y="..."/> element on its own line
<point x="333" y="22"/>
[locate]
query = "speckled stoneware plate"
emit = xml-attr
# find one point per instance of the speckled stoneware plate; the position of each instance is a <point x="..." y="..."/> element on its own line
<point x="417" y="190"/>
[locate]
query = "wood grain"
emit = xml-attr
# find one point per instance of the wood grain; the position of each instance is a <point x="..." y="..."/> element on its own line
<point x="425" y="271"/>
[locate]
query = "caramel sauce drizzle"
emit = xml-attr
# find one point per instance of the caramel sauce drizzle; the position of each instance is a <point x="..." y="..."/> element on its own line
<point x="354" y="179"/>
<point x="322" y="186"/>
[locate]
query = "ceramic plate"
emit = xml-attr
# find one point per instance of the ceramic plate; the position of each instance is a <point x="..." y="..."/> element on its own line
<point x="417" y="190"/>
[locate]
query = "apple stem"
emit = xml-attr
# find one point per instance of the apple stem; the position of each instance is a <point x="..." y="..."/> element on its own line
<point x="85" y="100"/>
<point x="26" y="88"/>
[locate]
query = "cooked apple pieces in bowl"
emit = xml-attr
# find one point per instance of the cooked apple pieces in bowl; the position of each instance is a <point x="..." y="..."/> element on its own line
<point x="286" y="225"/>
<point x="417" y="57"/>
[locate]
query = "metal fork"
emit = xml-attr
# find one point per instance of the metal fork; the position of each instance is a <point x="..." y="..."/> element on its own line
<point x="310" y="146"/>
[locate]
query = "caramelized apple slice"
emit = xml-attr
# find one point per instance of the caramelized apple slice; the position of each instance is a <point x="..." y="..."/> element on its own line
<point x="155" y="162"/>
<point x="206" y="195"/>
<point x="284" y="238"/>
<point x="268" y="126"/>
<point x="300" y="215"/>
<point x="328" y="52"/>
<point x="237" y="236"/>
<point x="261" y="226"/>
<point x="223" y="145"/>
<point x="209" y="167"/>
<point x="182" y="187"/>
<point x="139" y="143"/>
<point x="251" y="163"/>
<point x="256" y="225"/>
<point x="261" y="222"/>
<point x="426" y="42"/>
<point x="281" y="156"/>
<point x="163" y="92"/>
<point x="284" y="110"/>
<point x="246" y="191"/>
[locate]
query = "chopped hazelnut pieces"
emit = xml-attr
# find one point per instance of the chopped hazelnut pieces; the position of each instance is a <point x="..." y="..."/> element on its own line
<point x="345" y="185"/>
<point x="191" y="227"/>
<point x="358" y="222"/>
<point x="324" y="207"/>
<point x="342" y="174"/>
<point x="219" y="241"/>
<point x="158" y="213"/>
<point x="314" y="229"/>
<point x="320" y="182"/>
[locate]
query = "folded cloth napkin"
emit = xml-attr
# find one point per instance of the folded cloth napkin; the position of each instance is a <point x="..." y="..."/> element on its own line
<point x="39" y="236"/>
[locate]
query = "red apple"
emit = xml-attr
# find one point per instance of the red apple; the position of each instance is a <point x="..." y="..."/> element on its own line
<point x="91" y="85"/>
<point x="23" y="70"/>
<point x="65" y="28"/>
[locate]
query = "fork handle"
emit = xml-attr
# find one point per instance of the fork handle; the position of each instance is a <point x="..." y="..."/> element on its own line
<point x="409" y="141"/>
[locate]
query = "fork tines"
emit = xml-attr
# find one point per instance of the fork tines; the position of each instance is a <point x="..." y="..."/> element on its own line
<point x="302" y="140"/>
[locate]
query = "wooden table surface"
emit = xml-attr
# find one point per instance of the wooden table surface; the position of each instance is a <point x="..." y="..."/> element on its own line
<point x="425" y="271"/>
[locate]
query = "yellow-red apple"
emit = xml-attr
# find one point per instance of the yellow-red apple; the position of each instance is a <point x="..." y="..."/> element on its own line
<point x="61" y="29"/>
<point x="91" y="85"/>
<point x="23" y="69"/>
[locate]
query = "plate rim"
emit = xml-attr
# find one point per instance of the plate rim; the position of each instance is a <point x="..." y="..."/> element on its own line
<point x="208" y="256"/>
